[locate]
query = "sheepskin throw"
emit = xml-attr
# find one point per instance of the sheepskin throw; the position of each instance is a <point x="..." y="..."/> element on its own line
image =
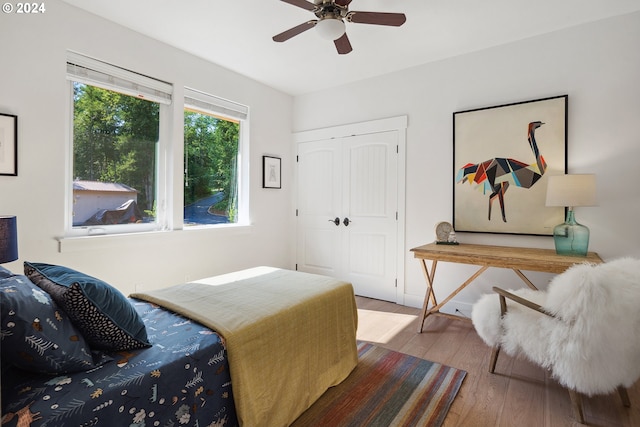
<point x="593" y="343"/>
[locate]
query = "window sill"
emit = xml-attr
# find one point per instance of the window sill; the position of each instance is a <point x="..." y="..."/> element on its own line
<point x="112" y="241"/>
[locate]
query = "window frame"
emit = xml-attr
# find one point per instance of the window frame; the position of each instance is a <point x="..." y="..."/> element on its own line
<point x="169" y="188"/>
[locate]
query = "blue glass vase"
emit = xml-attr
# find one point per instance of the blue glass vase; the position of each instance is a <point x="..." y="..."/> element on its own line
<point x="571" y="238"/>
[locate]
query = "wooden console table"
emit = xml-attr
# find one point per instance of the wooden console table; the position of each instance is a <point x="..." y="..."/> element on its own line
<point x="517" y="259"/>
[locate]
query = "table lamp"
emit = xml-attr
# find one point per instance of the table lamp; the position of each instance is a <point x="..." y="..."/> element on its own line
<point x="570" y="191"/>
<point x="8" y="239"/>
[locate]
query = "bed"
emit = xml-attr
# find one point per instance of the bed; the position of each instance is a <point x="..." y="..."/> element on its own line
<point x="250" y="348"/>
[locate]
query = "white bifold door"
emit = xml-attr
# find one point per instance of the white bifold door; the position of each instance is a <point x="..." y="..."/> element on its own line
<point x="347" y="213"/>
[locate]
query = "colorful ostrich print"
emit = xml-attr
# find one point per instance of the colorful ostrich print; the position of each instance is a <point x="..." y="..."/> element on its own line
<point x="181" y="381"/>
<point x="497" y="174"/>
<point x="523" y="131"/>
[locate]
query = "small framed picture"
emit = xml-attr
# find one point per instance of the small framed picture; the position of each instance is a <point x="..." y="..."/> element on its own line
<point x="8" y="144"/>
<point x="271" y="172"/>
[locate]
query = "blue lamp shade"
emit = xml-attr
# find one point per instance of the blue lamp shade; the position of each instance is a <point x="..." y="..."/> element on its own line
<point x="570" y="237"/>
<point x="8" y="239"/>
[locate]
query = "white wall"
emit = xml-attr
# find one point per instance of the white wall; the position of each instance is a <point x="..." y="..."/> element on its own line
<point x="33" y="86"/>
<point x="597" y="65"/>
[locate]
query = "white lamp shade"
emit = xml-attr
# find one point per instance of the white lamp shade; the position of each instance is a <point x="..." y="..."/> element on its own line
<point x="571" y="190"/>
<point x="330" y="28"/>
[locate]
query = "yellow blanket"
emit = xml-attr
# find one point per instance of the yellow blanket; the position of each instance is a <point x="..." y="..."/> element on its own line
<point x="289" y="336"/>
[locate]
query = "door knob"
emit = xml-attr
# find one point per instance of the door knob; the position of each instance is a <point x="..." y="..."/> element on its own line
<point x="336" y="221"/>
<point x="346" y="222"/>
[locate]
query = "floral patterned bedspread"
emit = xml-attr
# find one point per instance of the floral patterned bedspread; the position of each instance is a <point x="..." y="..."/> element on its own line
<point x="182" y="380"/>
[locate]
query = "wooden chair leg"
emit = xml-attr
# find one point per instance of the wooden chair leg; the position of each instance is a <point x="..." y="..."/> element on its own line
<point x="494" y="358"/>
<point x="624" y="396"/>
<point x="576" y="405"/>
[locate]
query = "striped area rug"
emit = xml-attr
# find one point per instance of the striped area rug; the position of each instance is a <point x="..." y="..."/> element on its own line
<point x="387" y="389"/>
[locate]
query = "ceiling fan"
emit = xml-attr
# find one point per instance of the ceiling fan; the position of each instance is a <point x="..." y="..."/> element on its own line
<point x="330" y="24"/>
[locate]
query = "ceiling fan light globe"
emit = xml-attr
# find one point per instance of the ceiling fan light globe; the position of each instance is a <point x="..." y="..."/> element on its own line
<point x="330" y="28"/>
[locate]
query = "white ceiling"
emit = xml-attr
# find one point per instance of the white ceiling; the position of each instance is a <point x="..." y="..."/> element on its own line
<point x="236" y="34"/>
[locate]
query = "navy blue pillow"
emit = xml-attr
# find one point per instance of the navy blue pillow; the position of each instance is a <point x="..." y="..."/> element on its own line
<point x="103" y="314"/>
<point x="36" y="334"/>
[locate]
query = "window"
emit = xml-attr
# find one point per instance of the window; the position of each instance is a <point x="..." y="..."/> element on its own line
<point x="211" y="159"/>
<point x="122" y="155"/>
<point x="114" y="157"/>
<point x="116" y="132"/>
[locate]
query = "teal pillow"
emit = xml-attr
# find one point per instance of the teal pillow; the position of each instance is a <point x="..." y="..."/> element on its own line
<point x="103" y="314"/>
<point x="36" y="334"/>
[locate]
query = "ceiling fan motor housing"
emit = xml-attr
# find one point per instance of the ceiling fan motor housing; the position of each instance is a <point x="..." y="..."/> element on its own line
<point x="330" y="10"/>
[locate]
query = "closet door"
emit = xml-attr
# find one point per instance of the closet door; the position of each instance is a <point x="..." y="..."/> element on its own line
<point x="354" y="180"/>
<point x="319" y="233"/>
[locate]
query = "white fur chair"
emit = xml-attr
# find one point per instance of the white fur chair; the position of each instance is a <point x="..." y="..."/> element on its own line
<point x="585" y="328"/>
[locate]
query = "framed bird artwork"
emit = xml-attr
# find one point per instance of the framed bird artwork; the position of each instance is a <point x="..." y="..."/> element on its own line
<point x="502" y="158"/>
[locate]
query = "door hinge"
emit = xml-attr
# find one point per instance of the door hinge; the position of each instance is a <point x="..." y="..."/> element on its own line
<point x="396" y="283"/>
<point x="296" y="212"/>
<point x="396" y="215"/>
<point x="297" y="159"/>
<point x="296" y="267"/>
<point x="397" y="149"/>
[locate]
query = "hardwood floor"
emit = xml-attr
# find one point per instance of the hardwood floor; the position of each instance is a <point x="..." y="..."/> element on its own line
<point x="517" y="394"/>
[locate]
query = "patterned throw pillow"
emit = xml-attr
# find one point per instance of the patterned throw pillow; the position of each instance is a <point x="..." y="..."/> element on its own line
<point x="103" y="314"/>
<point x="36" y="334"/>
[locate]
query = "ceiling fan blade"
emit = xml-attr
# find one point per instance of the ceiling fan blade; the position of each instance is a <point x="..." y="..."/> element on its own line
<point x="377" y="18"/>
<point x="343" y="44"/>
<point x="343" y="2"/>
<point x="301" y="3"/>
<point x="286" y="35"/>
